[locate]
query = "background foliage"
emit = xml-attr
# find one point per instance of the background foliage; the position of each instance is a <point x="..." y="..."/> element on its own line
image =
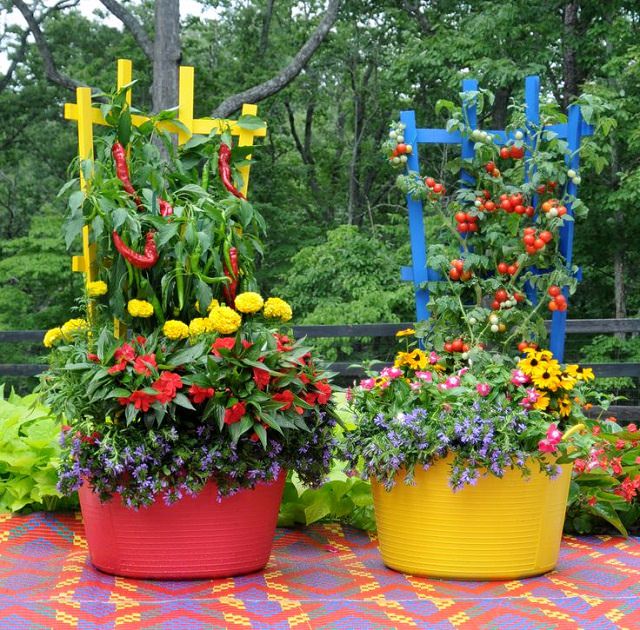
<point x="337" y="226"/>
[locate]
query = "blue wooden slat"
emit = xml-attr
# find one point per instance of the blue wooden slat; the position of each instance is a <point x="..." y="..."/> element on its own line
<point x="559" y="319"/>
<point x="470" y="114"/>
<point x="416" y="222"/>
<point x="438" y="136"/>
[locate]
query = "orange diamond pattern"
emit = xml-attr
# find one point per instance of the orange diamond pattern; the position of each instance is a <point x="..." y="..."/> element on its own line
<point x="325" y="577"/>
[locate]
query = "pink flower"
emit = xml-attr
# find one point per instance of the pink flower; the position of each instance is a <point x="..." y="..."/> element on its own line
<point x="425" y="376"/>
<point x="433" y="358"/>
<point x="553" y="433"/>
<point x="463" y="371"/>
<point x="452" y="382"/>
<point x="391" y="372"/>
<point x="518" y="377"/>
<point x="546" y="446"/>
<point x="349" y="395"/>
<point x="415" y="386"/>
<point x="483" y="389"/>
<point x="368" y="383"/>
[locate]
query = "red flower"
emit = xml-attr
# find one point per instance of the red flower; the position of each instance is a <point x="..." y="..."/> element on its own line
<point x="324" y="394"/>
<point x="246" y="344"/>
<point x="304" y="378"/>
<point x="145" y="361"/>
<point x="283" y="343"/>
<point x="93" y="357"/>
<point x="222" y="342"/>
<point x="199" y="394"/>
<point x="125" y="352"/>
<point x="261" y="378"/>
<point x="620" y="444"/>
<point x="310" y="398"/>
<point x="592" y="501"/>
<point x="118" y="367"/>
<point x="166" y="386"/>
<point x="631" y="427"/>
<point x="286" y="398"/>
<point x="141" y="340"/>
<point x="234" y="413"/>
<point x="141" y="400"/>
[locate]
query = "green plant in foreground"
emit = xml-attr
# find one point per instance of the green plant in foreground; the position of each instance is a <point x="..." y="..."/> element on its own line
<point x="29" y="453"/>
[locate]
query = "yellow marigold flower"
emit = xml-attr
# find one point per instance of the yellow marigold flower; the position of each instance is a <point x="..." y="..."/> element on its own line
<point x="224" y="320"/>
<point x="275" y="308"/>
<point x="200" y="326"/>
<point x="97" y="288"/>
<point x="175" y="329"/>
<point x="585" y="374"/>
<point x="213" y="304"/>
<point x="542" y="403"/>
<point x="74" y="327"/>
<point x="52" y="337"/>
<point x="416" y="360"/>
<point x="248" y="302"/>
<point x="139" y="308"/>
<point x="407" y="332"/>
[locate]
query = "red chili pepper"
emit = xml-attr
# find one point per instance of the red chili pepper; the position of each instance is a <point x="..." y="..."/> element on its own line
<point x="122" y="171"/>
<point x="224" y="169"/>
<point x="231" y="288"/>
<point x="142" y="261"/>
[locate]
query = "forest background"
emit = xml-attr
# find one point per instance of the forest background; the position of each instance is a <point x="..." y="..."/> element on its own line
<point x="328" y="78"/>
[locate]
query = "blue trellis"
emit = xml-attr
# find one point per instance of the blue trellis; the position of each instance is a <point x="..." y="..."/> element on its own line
<point x="572" y="131"/>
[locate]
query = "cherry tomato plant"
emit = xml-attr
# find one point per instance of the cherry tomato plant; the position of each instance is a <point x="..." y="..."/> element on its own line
<point x="498" y="235"/>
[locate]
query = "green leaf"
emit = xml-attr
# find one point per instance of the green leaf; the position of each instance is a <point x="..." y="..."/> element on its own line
<point x="251" y="123"/>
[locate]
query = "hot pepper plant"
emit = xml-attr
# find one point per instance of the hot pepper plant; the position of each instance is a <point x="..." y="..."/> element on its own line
<point x="208" y="383"/>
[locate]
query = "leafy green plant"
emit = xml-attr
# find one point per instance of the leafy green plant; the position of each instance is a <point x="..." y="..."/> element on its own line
<point x="29" y="452"/>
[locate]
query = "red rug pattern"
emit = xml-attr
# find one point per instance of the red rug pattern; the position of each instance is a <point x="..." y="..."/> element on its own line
<point x="325" y="576"/>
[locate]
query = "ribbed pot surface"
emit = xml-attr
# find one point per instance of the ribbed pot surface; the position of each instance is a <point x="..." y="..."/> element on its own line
<point x="498" y="529"/>
<point x="196" y="537"/>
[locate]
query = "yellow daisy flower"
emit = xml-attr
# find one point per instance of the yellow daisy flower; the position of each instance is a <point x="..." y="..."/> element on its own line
<point x="542" y="403"/>
<point x="407" y="332"/>
<point x="547" y="375"/>
<point x="585" y="374"/>
<point x="564" y="406"/>
<point x="416" y="360"/>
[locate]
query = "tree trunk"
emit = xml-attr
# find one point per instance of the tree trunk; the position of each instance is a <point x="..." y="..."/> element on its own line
<point x="569" y="61"/>
<point x="266" y="26"/>
<point x="166" y="54"/>
<point x="501" y="107"/>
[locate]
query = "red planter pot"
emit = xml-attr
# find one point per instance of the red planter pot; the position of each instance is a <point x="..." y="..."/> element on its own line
<point x="196" y="537"/>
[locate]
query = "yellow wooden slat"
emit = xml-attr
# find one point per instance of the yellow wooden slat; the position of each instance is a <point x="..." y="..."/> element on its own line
<point x="85" y="128"/>
<point x="185" y="102"/>
<point x="245" y="139"/>
<point x="203" y="126"/>
<point x="125" y="74"/>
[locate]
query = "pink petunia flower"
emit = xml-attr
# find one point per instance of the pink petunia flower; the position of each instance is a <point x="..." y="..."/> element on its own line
<point x="425" y="376"/>
<point x="518" y="377"/>
<point x="368" y="383"/>
<point x="484" y="389"/>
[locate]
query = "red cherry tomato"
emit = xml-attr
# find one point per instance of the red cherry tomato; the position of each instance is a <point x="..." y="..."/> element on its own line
<point x="501" y="295"/>
<point x="539" y="244"/>
<point x="554" y="290"/>
<point x="511" y="269"/>
<point x="546" y="236"/>
<point x="401" y="148"/>
<point x="553" y="306"/>
<point x="430" y="182"/>
<point x="495" y="305"/>
<point x="438" y="188"/>
<point x="454" y="274"/>
<point x="504" y="153"/>
<point x="460" y="217"/>
<point x="517" y="153"/>
<point x="489" y="206"/>
<point x="529" y="239"/>
<point x="463" y="227"/>
<point x="456" y="345"/>
<point x="503" y="268"/>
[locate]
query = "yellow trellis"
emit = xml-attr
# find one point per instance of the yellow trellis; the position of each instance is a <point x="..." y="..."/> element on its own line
<point x="87" y="116"/>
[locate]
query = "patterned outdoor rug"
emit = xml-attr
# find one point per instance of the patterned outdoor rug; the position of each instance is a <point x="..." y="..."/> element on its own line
<point x="321" y="577"/>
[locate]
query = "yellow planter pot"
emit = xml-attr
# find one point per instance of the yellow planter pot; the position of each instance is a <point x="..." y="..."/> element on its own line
<point x="498" y="529"/>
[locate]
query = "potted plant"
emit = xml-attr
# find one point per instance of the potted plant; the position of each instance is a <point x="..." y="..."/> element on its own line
<point x="179" y="434"/>
<point x="465" y="436"/>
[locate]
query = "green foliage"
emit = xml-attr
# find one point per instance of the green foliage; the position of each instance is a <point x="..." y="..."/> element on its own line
<point x="29" y="454"/>
<point x="340" y="498"/>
